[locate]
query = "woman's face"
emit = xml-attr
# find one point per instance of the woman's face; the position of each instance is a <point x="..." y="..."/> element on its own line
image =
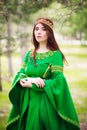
<point x="40" y="33"/>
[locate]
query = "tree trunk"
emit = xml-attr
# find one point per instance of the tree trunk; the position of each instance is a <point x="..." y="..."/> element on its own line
<point x="45" y="2"/>
<point x="0" y="70"/>
<point x="0" y="76"/>
<point x="9" y="47"/>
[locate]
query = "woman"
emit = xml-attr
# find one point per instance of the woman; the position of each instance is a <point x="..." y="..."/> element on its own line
<point x="40" y="95"/>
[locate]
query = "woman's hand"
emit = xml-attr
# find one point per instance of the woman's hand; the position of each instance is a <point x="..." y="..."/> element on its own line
<point x="39" y="82"/>
<point x="27" y="82"/>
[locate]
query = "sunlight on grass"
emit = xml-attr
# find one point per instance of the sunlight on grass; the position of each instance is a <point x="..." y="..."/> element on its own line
<point x="4" y="105"/>
<point x="76" y="74"/>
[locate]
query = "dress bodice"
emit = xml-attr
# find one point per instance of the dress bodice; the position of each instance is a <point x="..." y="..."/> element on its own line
<point x="42" y="68"/>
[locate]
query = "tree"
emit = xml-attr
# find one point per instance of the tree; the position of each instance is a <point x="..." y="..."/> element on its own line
<point x="79" y="21"/>
<point x="16" y="10"/>
<point x="20" y="10"/>
<point x="9" y="46"/>
<point x="75" y="19"/>
<point x="0" y="69"/>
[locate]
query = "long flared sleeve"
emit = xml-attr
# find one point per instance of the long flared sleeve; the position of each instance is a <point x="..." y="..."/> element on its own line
<point x="16" y="95"/>
<point x="59" y="94"/>
<point x="15" y="83"/>
<point x="21" y="73"/>
<point x="56" y="89"/>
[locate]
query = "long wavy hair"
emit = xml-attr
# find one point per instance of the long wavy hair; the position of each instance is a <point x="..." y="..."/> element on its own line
<point x="51" y="42"/>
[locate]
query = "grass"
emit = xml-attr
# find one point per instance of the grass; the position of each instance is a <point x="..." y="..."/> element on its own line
<point x="75" y="73"/>
<point x="4" y="106"/>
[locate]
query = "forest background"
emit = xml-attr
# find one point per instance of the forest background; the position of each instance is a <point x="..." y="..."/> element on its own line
<point x="70" y="26"/>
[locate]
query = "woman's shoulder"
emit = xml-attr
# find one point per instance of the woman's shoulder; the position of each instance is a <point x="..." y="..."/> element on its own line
<point x="57" y="54"/>
<point x="28" y="52"/>
<point x="57" y="58"/>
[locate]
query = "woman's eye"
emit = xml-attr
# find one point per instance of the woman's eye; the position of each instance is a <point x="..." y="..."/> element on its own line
<point x="44" y="29"/>
<point x="36" y="28"/>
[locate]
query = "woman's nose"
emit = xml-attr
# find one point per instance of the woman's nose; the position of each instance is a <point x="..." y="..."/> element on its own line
<point x="39" y="31"/>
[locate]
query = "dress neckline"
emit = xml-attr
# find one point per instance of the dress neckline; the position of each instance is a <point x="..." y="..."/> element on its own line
<point x="42" y="55"/>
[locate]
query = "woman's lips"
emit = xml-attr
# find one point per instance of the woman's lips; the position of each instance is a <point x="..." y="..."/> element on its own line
<point x="38" y="36"/>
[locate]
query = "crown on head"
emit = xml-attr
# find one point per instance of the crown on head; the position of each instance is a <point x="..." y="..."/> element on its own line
<point x="45" y="21"/>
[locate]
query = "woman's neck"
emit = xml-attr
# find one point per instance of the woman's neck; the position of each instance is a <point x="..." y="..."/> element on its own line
<point x="42" y="48"/>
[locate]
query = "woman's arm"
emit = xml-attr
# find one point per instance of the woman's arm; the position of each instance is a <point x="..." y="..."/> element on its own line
<point x="38" y="83"/>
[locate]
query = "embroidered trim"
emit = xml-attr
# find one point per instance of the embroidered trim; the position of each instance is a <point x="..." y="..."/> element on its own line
<point x="69" y="120"/>
<point x="22" y="75"/>
<point x="43" y="55"/>
<point x="57" y="68"/>
<point x="45" y="74"/>
<point x="13" y="120"/>
<point x="23" y="65"/>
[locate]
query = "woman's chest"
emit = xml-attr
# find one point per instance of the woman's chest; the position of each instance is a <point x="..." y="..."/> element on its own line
<point x="41" y="69"/>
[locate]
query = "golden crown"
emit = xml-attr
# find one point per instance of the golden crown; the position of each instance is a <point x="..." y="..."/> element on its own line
<point x="47" y="22"/>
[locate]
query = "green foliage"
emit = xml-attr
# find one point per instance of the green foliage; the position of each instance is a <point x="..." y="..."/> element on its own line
<point x="69" y="19"/>
<point x="77" y="22"/>
<point x="22" y="11"/>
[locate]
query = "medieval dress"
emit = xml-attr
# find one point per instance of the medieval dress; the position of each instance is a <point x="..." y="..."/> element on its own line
<point x="47" y="108"/>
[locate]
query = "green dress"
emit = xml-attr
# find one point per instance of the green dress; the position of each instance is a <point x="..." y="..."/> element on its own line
<point x="47" y="108"/>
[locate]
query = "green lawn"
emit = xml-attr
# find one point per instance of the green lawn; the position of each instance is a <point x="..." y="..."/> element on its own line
<point x="4" y="105"/>
<point x="75" y="73"/>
